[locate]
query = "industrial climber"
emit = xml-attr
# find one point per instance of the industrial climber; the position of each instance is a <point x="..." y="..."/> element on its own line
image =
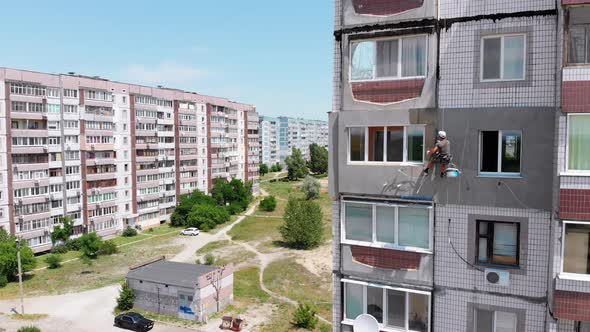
<point x="440" y="153"/>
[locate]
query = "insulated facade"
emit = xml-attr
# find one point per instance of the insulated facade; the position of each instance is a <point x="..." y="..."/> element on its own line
<point x="108" y="154"/>
<point x="421" y="252"/>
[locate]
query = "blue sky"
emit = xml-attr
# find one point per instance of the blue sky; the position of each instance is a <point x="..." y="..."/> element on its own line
<point x="264" y="52"/>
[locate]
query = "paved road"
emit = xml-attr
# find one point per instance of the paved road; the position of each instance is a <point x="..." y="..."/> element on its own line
<point x="92" y="310"/>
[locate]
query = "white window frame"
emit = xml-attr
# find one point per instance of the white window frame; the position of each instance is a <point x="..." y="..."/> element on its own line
<point x="482" y="55"/>
<point x="385" y="162"/>
<point x="495" y="312"/>
<point x="382" y="326"/>
<point x="569" y="171"/>
<point x="570" y="275"/>
<point x="385" y="245"/>
<point x="399" y="76"/>
<point x="499" y="173"/>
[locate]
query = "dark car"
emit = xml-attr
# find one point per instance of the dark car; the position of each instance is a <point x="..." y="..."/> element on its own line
<point x="134" y="321"/>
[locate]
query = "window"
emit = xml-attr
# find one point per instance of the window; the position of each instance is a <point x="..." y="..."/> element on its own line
<point x="495" y="321"/>
<point x="389" y="58"/>
<point x="579" y="35"/>
<point x="578" y="147"/>
<point x="576" y="248"/>
<point x="386" y="144"/>
<point x="394" y="308"/>
<point x="503" y="58"/>
<point x="582" y="327"/>
<point x="70" y="93"/>
<point x="387" y="225"/>
<point x="500" y="152"/>
<point x="498" y="242"/>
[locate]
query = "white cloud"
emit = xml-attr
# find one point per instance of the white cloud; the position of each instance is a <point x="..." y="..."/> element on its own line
<point x="166" y="73"/>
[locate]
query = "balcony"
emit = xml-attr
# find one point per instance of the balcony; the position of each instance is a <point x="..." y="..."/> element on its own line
<point x="97" y="147"/>
<point x="27" y="149"/>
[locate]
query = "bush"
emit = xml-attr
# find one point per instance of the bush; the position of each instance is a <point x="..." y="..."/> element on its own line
<point x="209" y="259"/>
<point x="311" y="187"/>
<point x="90" y="245"/>
<point x="29" y="329"/>
<point x="3" y="280"/>
<point x="234" y="208"/>
<point x="108" y="248"/>
<point x="276" y="168"/>
<point x="129" y="232"/>
<point x="263" y="169"/>
<point x="59" y="249"/>
<point x="303" y="227"/>
<point x="53" y="260"/>
<point x="74" y="244"/>
<point x="126" y="297"/>
<point x="305" y="317"/>
<point x="269" y="203"/>
<point x="206" y="217"/>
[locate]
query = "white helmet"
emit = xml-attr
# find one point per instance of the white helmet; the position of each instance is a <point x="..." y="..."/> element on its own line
<point x="442" y="134"/>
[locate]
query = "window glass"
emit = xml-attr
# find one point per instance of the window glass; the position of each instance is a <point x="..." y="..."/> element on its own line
<point x="492" y="48"/>
<point x="505" y="243"/>
<point x="414" y="56"/>
<point x="579" y="34"/>
<point x="396" y="308"/>
<point x="358" y="222"/>
<point x="357" y="144"/>
<point x="583" y="326"/>
<point x="376" y="140"/>
<point x="395" y="144"/>
<point x="386" y="224"/>
<point x="513" y="57"/>
<point x="511" y="151"/>
<point x="363" y="60"/>
<point x="375" y="303"/>
<point x="576" y="254"/>
<point x="354" y="300"/>
<point x="418" y="312"/>
<point x="415" y="144"/>
<point x="387" y="58"/>
<point x="579" y="142"/>
<point x="484" y="320"/>
<point x="505" y="321"/>
<point x="414" y="227"/>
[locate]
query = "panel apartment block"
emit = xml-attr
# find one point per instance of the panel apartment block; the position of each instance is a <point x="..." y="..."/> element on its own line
<point x="108" y="154"/>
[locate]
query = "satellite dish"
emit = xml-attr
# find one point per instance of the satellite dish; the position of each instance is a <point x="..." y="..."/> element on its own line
<point x="365" y="323"/>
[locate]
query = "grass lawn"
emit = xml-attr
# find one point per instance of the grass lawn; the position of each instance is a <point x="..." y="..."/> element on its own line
<point x="209" y="247"/>
<point x="162" y="229"/>
<point x="281" y="319"/>
<point x="105" y="270"/>
<point x="257" y="229"/>
<point x="64" y="257"/>
<point x="120" y="240"/>
<point x="28" y="316"/>
<point x="246" y="286"/>
<point x="272" y="175"/>
<point x="294" y="281"/>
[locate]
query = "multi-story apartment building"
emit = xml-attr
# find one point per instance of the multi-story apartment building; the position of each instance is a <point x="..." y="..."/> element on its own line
<point x="253" y="150"/>
<point x="110" y="154"/>
<point x="420" y="252"/>
<point x="269" y="144"/>
<point x="280" y="135"/>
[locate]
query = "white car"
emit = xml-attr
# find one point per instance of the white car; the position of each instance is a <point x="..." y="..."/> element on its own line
<point x="190" y="231"/>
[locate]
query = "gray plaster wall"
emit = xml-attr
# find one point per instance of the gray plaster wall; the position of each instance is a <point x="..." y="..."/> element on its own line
<point x="157" y="298"/>
<point x="350" y="17"/>
<point x="426" y="100"/>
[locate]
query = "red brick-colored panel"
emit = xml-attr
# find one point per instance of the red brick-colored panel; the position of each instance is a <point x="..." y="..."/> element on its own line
<point x="384" y="92"/>
<point x="572" y="305"/>
<point x="386" y="258"/>
<point x="385" y="7"/>
<point x="574" y="204"/>
<point x="576" y="96"/>
<point x="575" y="2"/>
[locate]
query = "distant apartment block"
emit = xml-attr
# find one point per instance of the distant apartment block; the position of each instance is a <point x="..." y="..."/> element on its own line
<point x="280" y="135"/>
<point x="111" y="154"/>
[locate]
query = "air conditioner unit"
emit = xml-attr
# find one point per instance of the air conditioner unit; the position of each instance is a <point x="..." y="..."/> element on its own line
<point x="497" y="277"/>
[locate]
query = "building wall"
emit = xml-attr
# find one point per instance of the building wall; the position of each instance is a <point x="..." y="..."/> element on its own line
<point x="158" y="298"/>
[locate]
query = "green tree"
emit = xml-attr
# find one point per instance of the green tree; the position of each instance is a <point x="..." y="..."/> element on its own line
<point x="318" y="160"/>
<point x="206" y="217"/>
<point x="90" y="245"/>
<point x="126" y="297"/>
<point x="311" y="187"/>
<point x="8" y="257"/>
<point x="303" y="227"/>
<point x="305" y="317"/>
<point x="62" y="233"/>
<point x="263" y="169"/>
<point x="53" y="260"/>
<point x="269" y="203"/>
<point x="296" y="166"/>
<point x="187" y="202"/>
<point x="276" y="168"/>
<point x="235" y="191"/>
